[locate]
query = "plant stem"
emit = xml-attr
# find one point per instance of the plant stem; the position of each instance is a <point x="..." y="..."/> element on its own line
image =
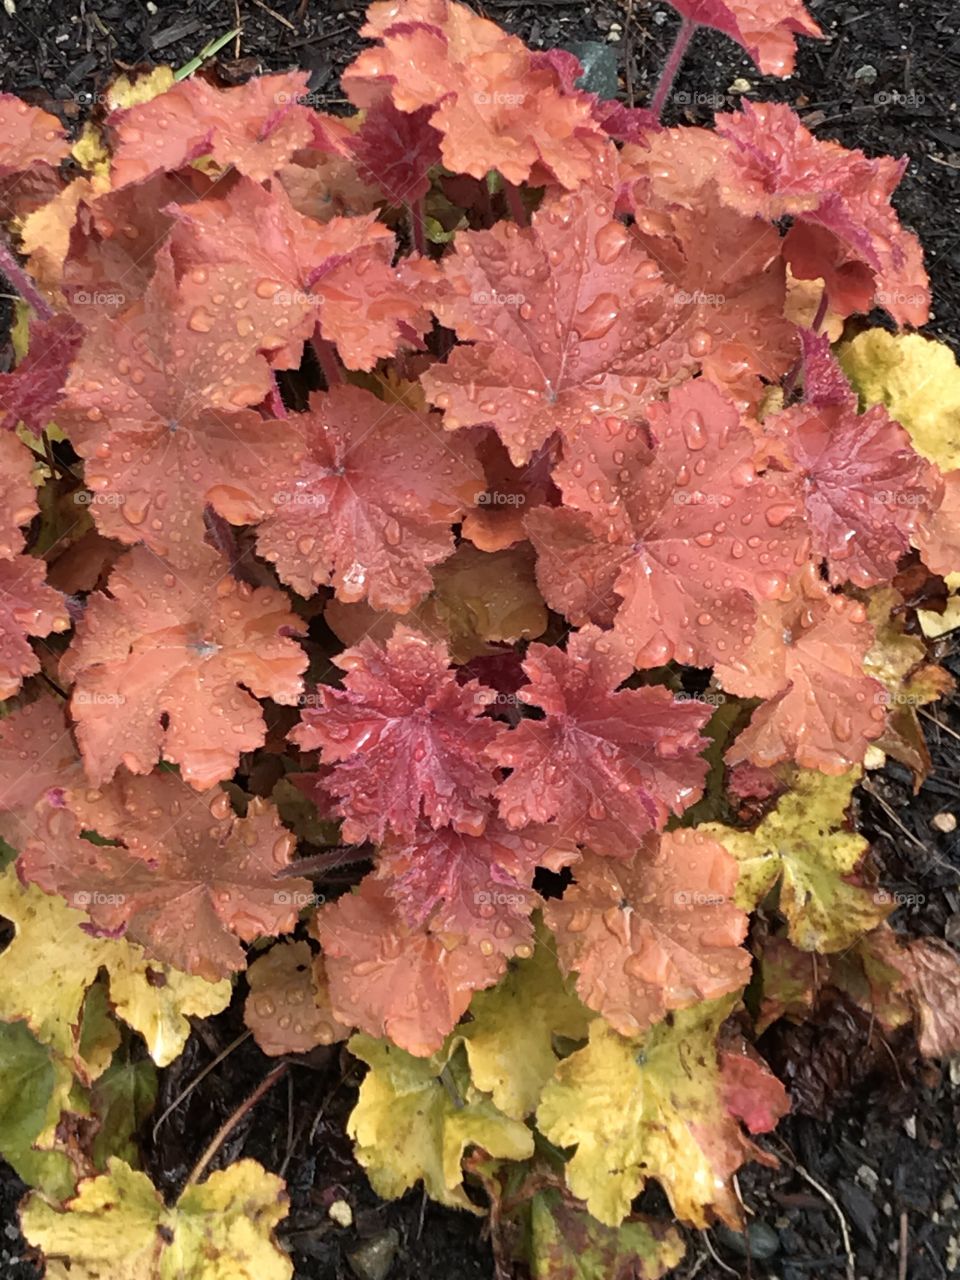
<point x="672" y="65"/>
<point x="274" y="403"/>
<point x="821" y="315"/>
<point x="326" y="354"/>
<point x="232" y="1121"/>
<point x="418" y="226"/>
<point x="518" y="211"/>
<point x="22" y="283"/>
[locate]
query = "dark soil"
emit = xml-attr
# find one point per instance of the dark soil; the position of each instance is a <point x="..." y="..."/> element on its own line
<point x="882" y="1156"/>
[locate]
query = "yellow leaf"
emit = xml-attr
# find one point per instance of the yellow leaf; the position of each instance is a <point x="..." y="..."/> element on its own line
<point x="118" y="1228"/>
<point x="92" y="154"/>
<point x="125" y="92"/>
<point x="803" y="844"/>
<point x="47" y="968"/>
<point x="933" y="625"/>
<point x="648" y="1108"/>
<point x="510" y="1040"/>
<point x="918" y="381"/>
<point x="409" y="1124"/>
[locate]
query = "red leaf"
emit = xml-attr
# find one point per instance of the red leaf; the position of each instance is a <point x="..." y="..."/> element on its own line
<point x="396" y="151"/>
<point x="807" y="661"/>
<point x="347" y="518"/>
<point x="37" y="757"/>
<point x="158" y="443"/>
<point x="31" y="137"/>
<point x="688" y="533"/>
<point x="731" y="286"/>
<point x="777" y="168"/>
<point x="158" y="666"/>
<point x="33" y="389"/>
<point x="405" y="739"/>
<point x="865" y="487"/>
<point x="548" y="345"/>
<point x="391" y="980"/>
<point x="938" y="532"/>
<point x="255" y="127"/>
<point x="824" y="382"/>
<point x="250" y="245"/>
<point x="18" y="495"/>
<point x="508" y="494"/>
<point x="114" y="241"/>
<point x="656" y="933"/>
<point x="608" y="767"/>
<point x="765" y="28"/>
<point x="28" y="607"/>
<point x="186" y="879"/>
<point x="431" y="870"/>
<point x="751" y="1091"/>
<point x="496" y="104"/>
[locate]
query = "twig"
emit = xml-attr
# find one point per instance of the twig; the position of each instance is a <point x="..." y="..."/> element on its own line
<point x="273" y="14"/>
<point x="831" y="1201"/>
<point x="713" y="1254"/>
<point x="233" y="1120"/>
<point x="904" y="1229"/>
<point x="234" y="1044"/>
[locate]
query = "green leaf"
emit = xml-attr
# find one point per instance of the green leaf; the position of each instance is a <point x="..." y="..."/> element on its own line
<point x="34" y="1088"/>
<point x="122" y="1099"/>
<point x="566" y="1243"/>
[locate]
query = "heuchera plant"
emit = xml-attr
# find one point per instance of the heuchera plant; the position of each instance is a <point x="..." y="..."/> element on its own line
<point x="477" y="473"/>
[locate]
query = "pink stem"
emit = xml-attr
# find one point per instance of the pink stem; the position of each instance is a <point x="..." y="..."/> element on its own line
<point x="418" y="226"/>
<point x="518" y="211"/>
<point x="326" y="354"/>
<point x="821" y="315"/>
<point x="274" y="403"/>
<point x="22" y="283"/>
<point x="672" y="65"/>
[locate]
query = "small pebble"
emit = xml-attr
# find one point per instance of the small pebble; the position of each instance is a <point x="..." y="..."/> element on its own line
<point x="910" y="1126"/>
<point x="945" y="822"/>
<point x="865" y="74"/>
<point x="759" y="1242"/>
<point x="374" y="1258"/>
<point x="740" y="86"/>
<point x="341" y="1213"/>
